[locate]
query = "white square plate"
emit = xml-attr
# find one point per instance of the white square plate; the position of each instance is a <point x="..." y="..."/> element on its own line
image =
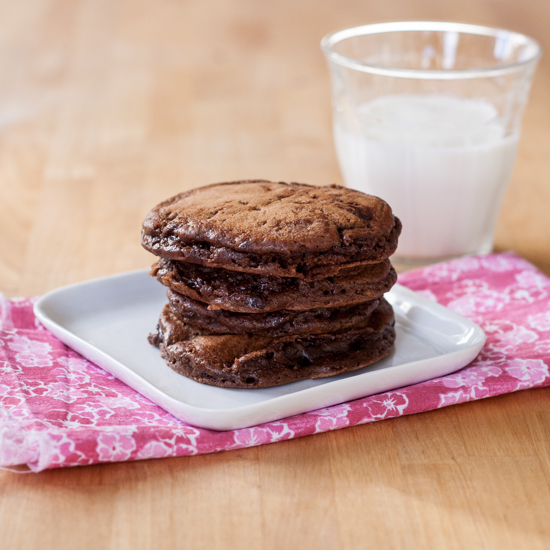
<point x="107" y="321"/>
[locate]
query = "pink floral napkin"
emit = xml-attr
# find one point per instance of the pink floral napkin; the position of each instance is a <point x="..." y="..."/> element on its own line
<point x="58" y="409"/>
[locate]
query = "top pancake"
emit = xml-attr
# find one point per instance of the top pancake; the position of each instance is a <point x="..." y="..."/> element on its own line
<point x="283" y="229"/>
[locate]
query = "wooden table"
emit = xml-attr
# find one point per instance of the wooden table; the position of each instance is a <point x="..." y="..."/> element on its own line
<point x="107" y="107"/>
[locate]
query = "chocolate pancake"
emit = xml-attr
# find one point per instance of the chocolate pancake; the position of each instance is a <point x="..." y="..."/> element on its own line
<point x="248" y="293"/>
<point x="284" y="322"/>
<point x="260" y="361"/>
<point x="283" y="229"/>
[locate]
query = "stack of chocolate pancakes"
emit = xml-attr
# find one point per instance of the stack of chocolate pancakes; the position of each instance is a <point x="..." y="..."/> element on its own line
<point x="270" y="283"/>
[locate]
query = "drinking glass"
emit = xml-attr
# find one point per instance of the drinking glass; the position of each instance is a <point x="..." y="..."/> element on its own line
<point x="427" y="116"/>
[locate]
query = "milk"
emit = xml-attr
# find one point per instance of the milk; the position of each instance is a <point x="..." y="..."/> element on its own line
<point x="441" y="162"/>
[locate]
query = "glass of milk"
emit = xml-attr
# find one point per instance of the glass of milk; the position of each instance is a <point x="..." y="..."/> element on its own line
<point x="427" y="116"/>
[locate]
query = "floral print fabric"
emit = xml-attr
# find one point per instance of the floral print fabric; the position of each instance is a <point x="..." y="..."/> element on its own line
<point x="58" y="409"/>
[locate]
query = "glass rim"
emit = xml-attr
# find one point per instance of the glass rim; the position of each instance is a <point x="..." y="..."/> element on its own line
<point x="333" y="38"/>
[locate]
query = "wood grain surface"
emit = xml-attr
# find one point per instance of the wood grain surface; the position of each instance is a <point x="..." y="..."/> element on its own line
<point x="107" y="107"/>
